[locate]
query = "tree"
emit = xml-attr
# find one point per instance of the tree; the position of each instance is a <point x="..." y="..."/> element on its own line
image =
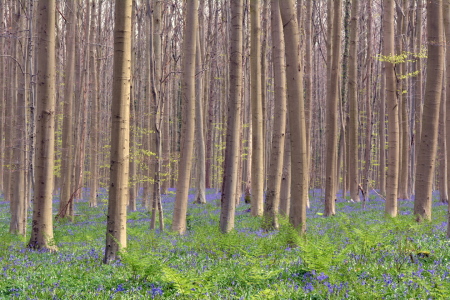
<point x="200" y="136"/>
<point x="446" y="17"/>
<point x="67" y="167"/>
<point x="279" y="128"/>
<point x="230" y="172"/>
<point x="42" y="225"/>
<point x="430" y="118"/>
<point x="353" y="103"/>
<point x="19" y="199"/>
<point x="116" y="235"/>
<point x="392" y="108"/>
<point x="155" y="79"/>
<point x="294" y="75"/>
<point x="187" y="147"/>
<point x="332" y="108"/>
<point x="257" y="170"/>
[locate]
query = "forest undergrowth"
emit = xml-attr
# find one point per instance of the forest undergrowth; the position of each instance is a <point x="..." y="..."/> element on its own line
<point x="357" y="254"/>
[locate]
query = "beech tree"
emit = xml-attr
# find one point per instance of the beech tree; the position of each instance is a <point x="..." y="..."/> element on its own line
<point x="230" y="172"/>
<point x="185" y="164"/>
<point x="116" y="234"/>
<point x="257" y="170"/>
<point x="392" y="108"/>
<point x="353" y="103"/>
<point x="42" y="225"/>
<point x="430" y="118"/>
<point x="332" y="108"/>
<point x="294" y="75"/>
<point x="279" y="128"/>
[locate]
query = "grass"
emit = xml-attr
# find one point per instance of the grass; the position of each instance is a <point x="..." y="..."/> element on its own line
<point x="358" y="254"/>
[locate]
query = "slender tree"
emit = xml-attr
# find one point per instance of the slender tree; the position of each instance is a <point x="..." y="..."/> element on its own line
<point x="116" y="235"/>
<point x="294" y="75"/>
<point x="391" y="206"/>
<point x="332" y="108"/>
<point x="430" y="119"/>
<point x="42" y="226"/>
<point x="67" y="167"/>
<point x="18" y="196"/>
<point x="230" y="172"/>
<point x="279" y="128"/>
<point x="353" y="103"/>
<point x="187" y="147"/>
<point x="199" y="132"/>
<point x="446" y="17"/>
<point x="257" y="192"/>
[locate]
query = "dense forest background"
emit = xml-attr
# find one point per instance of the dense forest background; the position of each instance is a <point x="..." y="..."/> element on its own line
<point x="266" y="99"/>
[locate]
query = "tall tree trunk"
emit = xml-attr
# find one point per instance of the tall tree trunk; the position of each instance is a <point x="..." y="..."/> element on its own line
<point x="391" y="206"/>
<point x="230" y="172"/>
<point x="369" y="118"/>
<point x="285" y="193"/>
<point x="446" y="14"/>
<point x="2" y="96"/>
<point x="332" y="108"/>
<point x="308" y="21"/>
<point x="430" y="120"/>
<point x="403" y="117"/>
<point x="443" y="189"/>
<point x="279" y="127"/>
<point x="353" y="103"/>
<point x="294" y="75"/>
<point x="116" y="230"/>
<point x="95" y="71"/>
<point x="257" y="192"/>
<point x="382" y="132"/>
<point x="42" y="226"/>
<point x="19" y="197"/>
<point x="418" y="103"/>
<point x="187" y="147"/>
<point x="200" y="137"/>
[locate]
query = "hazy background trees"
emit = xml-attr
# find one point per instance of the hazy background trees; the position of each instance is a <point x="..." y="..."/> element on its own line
<point x="207" y="104"/>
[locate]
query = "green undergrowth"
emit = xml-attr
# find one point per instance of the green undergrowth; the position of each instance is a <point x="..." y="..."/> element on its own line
<point x="357" y="254"/>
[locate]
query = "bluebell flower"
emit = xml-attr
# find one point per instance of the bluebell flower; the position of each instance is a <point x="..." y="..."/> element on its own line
<point x="156" y="291"/>
<point x="120" y="288"/>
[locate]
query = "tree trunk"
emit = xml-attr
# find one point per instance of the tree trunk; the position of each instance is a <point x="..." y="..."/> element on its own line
<point x="19" y="198"/>
<point x="353" y="104"/>
<point x="42" y="226"/>
<point x="294" y="75"/>
<point x="443" y="189"/>
<point x="116" y="234"/>
<point x="279" y="127"/>
<point x="95" y="105"/>
<point x="403" y="117"/>
<point x="200" y="136"/>
<point x="391" y="206"/>
<point x="446" y="14"/>
<point x="257" y="192"/>
<point x="230" y="172"/>
<point x="382" y="133"/>
<point x="187" y="147"/>
<point x="332" y="108"/>
<point x="430" y="120"/>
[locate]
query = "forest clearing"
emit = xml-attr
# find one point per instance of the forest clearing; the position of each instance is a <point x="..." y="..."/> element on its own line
<point x="357" y="254"/>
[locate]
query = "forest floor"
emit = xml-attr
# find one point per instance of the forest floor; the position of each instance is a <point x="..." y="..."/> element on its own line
<point x="357" y="254"/>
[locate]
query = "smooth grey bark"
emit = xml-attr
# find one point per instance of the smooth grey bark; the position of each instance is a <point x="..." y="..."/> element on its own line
<point x="430" y="119"/>
<point x="294" y="76"/>
<point x="116" y="222"/>
<point x="42" y="226"/>
<point x="230" y="173"/>
<point x="275" y="171"/>
<point x="187" y="147"/>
